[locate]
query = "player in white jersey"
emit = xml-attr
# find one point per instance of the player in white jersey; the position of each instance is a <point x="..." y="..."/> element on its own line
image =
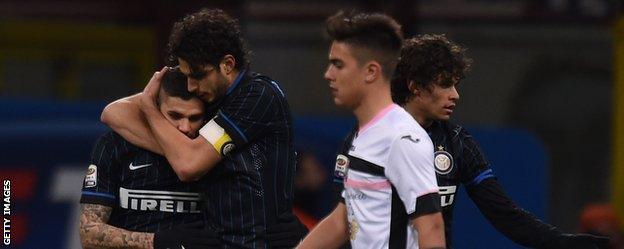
<point x="390" y="197"/>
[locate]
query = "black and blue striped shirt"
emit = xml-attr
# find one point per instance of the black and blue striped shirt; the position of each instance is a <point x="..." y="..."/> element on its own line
<point x="144" y="192"/>
<point x="252" y="187"/>
<point x="458" y="159"/>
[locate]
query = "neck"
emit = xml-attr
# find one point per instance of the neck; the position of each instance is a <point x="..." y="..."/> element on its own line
<point x="373" y="102"/>
<point x="232" y="76"/>
<point x="418" y="115"/>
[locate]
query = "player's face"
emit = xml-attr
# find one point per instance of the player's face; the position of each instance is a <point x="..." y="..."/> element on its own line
<point x="345" y="76"/>
<point x="207" y="82"/>
<point x="438" y="102"/>
<point x="186" y="115"/>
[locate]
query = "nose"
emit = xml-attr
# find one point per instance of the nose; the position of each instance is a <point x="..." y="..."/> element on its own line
<point x="328" y="75"/>
<point x="191" y="85"/>
<point x="454" y="94"/>
<point x="184" y="126"/>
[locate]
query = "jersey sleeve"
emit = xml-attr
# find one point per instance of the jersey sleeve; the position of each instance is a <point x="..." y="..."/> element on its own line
<point x="514" y="222"/>
<point x="411" y="172"/>
<point x="474" y="166"/>
<point x="250" y="113"/>
<point x="101" y="183"/>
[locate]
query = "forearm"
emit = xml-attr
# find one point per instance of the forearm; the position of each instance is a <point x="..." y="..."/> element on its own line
<point x="124" y="116"/>
<point x="100" y="235"/>
<point x="517" y="224"/>
<point x="331" y="232"/>
<point x="189" y="158"/>
<point x="430" y="229"/>
<point x="95" y="233"/>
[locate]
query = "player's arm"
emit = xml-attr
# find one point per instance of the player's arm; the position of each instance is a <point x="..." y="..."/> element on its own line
<point x="410" y="170"/>
<point x="189" y="158"/>
<point x="502" y="212"/>
<point x="244" y="119"/>
<point x="124" y="116"/>
<point x="331" y="232"/>
<point x="521" y="226"/>
<point x="95" y="233"/>
<point x="430" y="229"/>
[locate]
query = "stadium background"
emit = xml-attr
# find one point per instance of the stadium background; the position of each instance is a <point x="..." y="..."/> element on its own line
<point x="545" y="97"/>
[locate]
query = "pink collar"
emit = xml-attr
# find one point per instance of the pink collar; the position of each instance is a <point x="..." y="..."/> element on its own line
<point x="376" y="119"/>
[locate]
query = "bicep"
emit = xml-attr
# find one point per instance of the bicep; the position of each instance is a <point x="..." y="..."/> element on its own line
<point x="430" y="229"/>
<point x="251" y="115"/>
<point x="93" y="213"/>
<point x="426" y="221"/>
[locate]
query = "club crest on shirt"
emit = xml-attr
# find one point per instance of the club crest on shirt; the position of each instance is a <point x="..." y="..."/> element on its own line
<point x="227" y="148"/>
<point x="342" y="165"/>
<point x="91" y="177"/>
<point x="443" y="161"/>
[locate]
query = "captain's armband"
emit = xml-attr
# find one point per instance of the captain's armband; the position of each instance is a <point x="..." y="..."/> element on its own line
<point x="218" y="137"/>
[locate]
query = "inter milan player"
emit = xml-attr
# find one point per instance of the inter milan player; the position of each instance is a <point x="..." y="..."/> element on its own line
<point x="130" y="193"/>
<point x="424" y="82"/>
<point x="390" y="197"/>
<point x="247" y="146"/>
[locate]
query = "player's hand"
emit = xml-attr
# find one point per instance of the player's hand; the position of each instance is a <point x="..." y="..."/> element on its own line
<point x="286" y="235"/>
<point x="583" y="241"/>
<point x="150" y="92"/>
<point x="190" y="236"/>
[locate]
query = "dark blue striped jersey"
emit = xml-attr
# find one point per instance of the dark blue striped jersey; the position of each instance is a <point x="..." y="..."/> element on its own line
<point x="459" y="160"/>
<point x="144" y="192"/>
<point x="252" y="187"/>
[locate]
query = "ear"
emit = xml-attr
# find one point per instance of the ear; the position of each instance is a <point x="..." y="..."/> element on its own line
<point x="413" y="88"/>
<point x="228" y="63"/>
<point x="373" y="71"/>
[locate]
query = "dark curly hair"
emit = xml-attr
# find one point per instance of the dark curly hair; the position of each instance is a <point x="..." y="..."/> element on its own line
<point x="378" y="34"/>
<point x="205" y="37"/>
<point x="427" y="60"/>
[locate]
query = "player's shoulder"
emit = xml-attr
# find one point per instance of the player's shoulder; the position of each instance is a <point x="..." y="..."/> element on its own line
<point x="263" y="83"/>
<point x="112" y="138"/>
<point x="399" y="123"/>
<point x="452" y="129"/>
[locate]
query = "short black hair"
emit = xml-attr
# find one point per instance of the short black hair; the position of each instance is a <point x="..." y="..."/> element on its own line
<point x="174" y="84"/>
<point x="377" y="33"/>
<point x="426" y="60"/>
<point x="205" y="37"/>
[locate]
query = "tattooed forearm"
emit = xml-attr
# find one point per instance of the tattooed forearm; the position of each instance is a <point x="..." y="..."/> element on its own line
<point x="95" y="233"/>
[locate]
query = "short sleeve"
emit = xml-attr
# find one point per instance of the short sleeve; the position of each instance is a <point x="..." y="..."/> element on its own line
<point x="250" y="112"/>
<point x="101" y="183"/>
<point x="475" y="167"/>
<point x="410" y="170"/>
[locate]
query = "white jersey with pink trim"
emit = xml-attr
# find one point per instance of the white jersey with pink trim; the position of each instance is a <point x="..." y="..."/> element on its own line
<point x="389" y="179"/>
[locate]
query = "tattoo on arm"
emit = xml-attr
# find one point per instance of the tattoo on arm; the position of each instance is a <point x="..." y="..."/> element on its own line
<point x="95" y="233"/>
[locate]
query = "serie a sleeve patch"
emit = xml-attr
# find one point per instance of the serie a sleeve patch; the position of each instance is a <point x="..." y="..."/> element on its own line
<point x="91" y="177"/>
<point x="216" y="135"/>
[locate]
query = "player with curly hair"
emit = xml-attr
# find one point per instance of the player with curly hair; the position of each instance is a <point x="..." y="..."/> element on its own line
<point x="425" y="80"/>
<point x="245" y="155"/>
